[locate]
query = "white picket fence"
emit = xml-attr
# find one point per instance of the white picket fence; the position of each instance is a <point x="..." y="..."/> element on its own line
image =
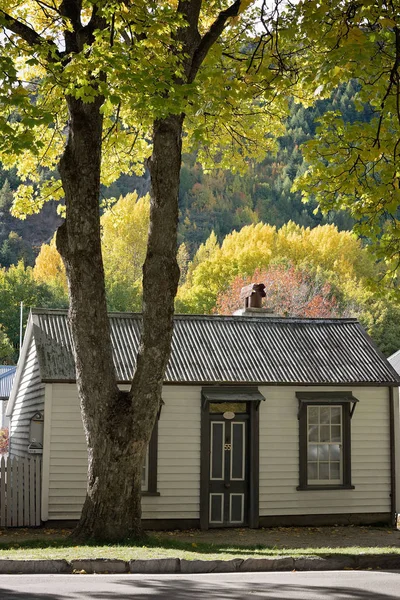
<point x="20" y="491"/>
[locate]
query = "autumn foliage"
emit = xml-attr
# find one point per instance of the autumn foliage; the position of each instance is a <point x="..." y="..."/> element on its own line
<point x="290" y="292"/>
<point x="4" y="441"/>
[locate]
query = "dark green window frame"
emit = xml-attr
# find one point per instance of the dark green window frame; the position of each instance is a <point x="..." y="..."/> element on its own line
<point x="152" y="464"/>
<point x="347" y="402"/>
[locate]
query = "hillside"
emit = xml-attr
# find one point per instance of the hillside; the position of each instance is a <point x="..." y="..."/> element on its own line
<point x="220" y="200"/>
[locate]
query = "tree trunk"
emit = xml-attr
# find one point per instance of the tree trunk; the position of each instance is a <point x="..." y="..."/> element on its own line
<point x="114" y="472"/>
<point x="160" y="271"/>
<point x="117" y="425"/>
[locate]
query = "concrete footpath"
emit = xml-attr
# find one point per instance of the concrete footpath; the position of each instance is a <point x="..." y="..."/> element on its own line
<point x="176" y="565"/>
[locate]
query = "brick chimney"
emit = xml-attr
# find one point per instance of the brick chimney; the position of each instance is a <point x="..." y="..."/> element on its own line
<point x="251" y="296"/>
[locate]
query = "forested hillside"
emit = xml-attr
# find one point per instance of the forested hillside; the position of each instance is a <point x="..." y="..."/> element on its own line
<point x="219" y="201"/>
<point x="234" y="228"/>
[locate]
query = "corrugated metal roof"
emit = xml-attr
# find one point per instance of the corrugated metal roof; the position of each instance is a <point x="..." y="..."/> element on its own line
<point x="216" y="349"/>
<point x="395" y="361"/>
<point x="7" y="374"/>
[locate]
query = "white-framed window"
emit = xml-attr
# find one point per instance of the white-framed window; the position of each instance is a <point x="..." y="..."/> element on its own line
<point x="324" y="444"/>
<point x="325" y="439"/>
<point x="145" y="473"/>
<point x="149" y="467"/>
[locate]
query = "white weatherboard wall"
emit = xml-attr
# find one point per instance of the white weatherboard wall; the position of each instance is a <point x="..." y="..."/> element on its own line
<point x="64" y="474"/>
<point x="29" y="400"/>
<point x="65" y="458"/>
<point x="279" y="456"/>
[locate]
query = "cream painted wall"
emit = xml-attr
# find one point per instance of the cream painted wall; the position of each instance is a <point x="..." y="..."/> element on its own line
<point x="65" y="459"/>
<point x="279" y="456"/>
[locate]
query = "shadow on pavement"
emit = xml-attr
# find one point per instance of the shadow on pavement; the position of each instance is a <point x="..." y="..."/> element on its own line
<point x="185" y="589"/>
<point x="221" y="588"/>
<point x="9" y="594"/>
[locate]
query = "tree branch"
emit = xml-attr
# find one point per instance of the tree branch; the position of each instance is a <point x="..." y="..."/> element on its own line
<point x="211" y="37"/>
<point x="29" y="35"/>
<point x="71" y="9"/>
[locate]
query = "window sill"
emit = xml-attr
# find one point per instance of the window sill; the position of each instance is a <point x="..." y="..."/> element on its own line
<point x="151" y="494"/>
<point x="317" y="488"/>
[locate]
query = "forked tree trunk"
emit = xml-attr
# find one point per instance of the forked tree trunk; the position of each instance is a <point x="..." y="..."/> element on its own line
<point x="114" y="466"/>
<point x="118" y="425"/>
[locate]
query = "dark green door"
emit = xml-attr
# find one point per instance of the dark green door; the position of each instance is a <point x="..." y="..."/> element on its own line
<point x="229" y="470"/>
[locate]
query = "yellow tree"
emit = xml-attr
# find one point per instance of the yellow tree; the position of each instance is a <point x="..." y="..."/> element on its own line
<point x="336" y="255"/>
<point x="124" y="229"/>
<point x="49" y="267"/>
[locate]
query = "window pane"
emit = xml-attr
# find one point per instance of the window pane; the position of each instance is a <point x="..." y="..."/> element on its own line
<point x="336" y="414"/>
<point x="312" y="470"/>
<point x="323" y="452"/>
<point x="325" y="414"/>
<point x="335" y="433"/>
<point x="324" y="433"/>
<point x="335" y="470"/>
<point x="323" y="471"/>
<point x="312" y="452"/>
<point x="335" y="452"/>
<point x="221" y="407"/>
<point x="313" y="414"/>
<point x="313" y="433"/>
<point x="145" y="472"/>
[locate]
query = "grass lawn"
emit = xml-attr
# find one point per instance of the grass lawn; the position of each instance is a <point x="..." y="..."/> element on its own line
<point x="158" y="546"/>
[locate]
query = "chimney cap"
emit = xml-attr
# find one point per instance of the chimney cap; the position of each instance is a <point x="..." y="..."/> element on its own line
<point x="254" y="288"/>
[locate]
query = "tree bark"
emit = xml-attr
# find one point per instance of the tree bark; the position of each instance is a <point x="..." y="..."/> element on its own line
<point x="160" y="273"/>
<point x="118" y="425"/>
<point x="114" y="462"/>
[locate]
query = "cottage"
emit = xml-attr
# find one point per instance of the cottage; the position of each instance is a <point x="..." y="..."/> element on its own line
<point x="7" y="373"/>
<point x="265" y="421"/>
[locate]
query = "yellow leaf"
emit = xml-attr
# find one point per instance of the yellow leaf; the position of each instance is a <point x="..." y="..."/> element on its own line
<point x="244" y="5"/>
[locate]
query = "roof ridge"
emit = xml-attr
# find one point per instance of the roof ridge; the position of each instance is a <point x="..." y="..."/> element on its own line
<point x="188" y="316"/>
<point x="222" y="349"/>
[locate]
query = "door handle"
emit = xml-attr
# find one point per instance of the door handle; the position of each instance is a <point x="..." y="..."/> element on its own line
<point x="227" y="485"/>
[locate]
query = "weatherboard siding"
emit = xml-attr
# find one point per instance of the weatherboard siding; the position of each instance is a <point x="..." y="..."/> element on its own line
<point x="279" y="456"/>
<point x="178" y="456"/>
<point x="29" y="400"/>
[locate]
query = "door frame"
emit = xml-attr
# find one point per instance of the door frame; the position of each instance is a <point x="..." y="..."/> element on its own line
<point x="253" y="399"/>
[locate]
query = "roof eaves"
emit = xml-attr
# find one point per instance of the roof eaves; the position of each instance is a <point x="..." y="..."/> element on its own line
<point x="20" y="365"/>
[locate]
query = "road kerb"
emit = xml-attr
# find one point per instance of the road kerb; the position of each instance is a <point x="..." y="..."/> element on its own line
<point x="161" y="566"/>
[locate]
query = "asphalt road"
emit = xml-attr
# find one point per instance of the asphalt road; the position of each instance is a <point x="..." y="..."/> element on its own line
<point x="340" y="585"/>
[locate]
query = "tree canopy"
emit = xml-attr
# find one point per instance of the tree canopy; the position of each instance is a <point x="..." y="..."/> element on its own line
<point x="144" y="81"/>
<point x="354" y="165"/>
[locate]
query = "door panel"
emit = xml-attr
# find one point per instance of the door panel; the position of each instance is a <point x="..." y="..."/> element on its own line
<point x="216" y="509"/>
<point x="228" y="471"/>
<point x="238" y="451"/>
<point x="217" y="462"/>
<point x="236" y="512"/>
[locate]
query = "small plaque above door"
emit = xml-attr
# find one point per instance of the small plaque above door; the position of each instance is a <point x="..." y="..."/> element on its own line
<point x="229" y="415"/>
